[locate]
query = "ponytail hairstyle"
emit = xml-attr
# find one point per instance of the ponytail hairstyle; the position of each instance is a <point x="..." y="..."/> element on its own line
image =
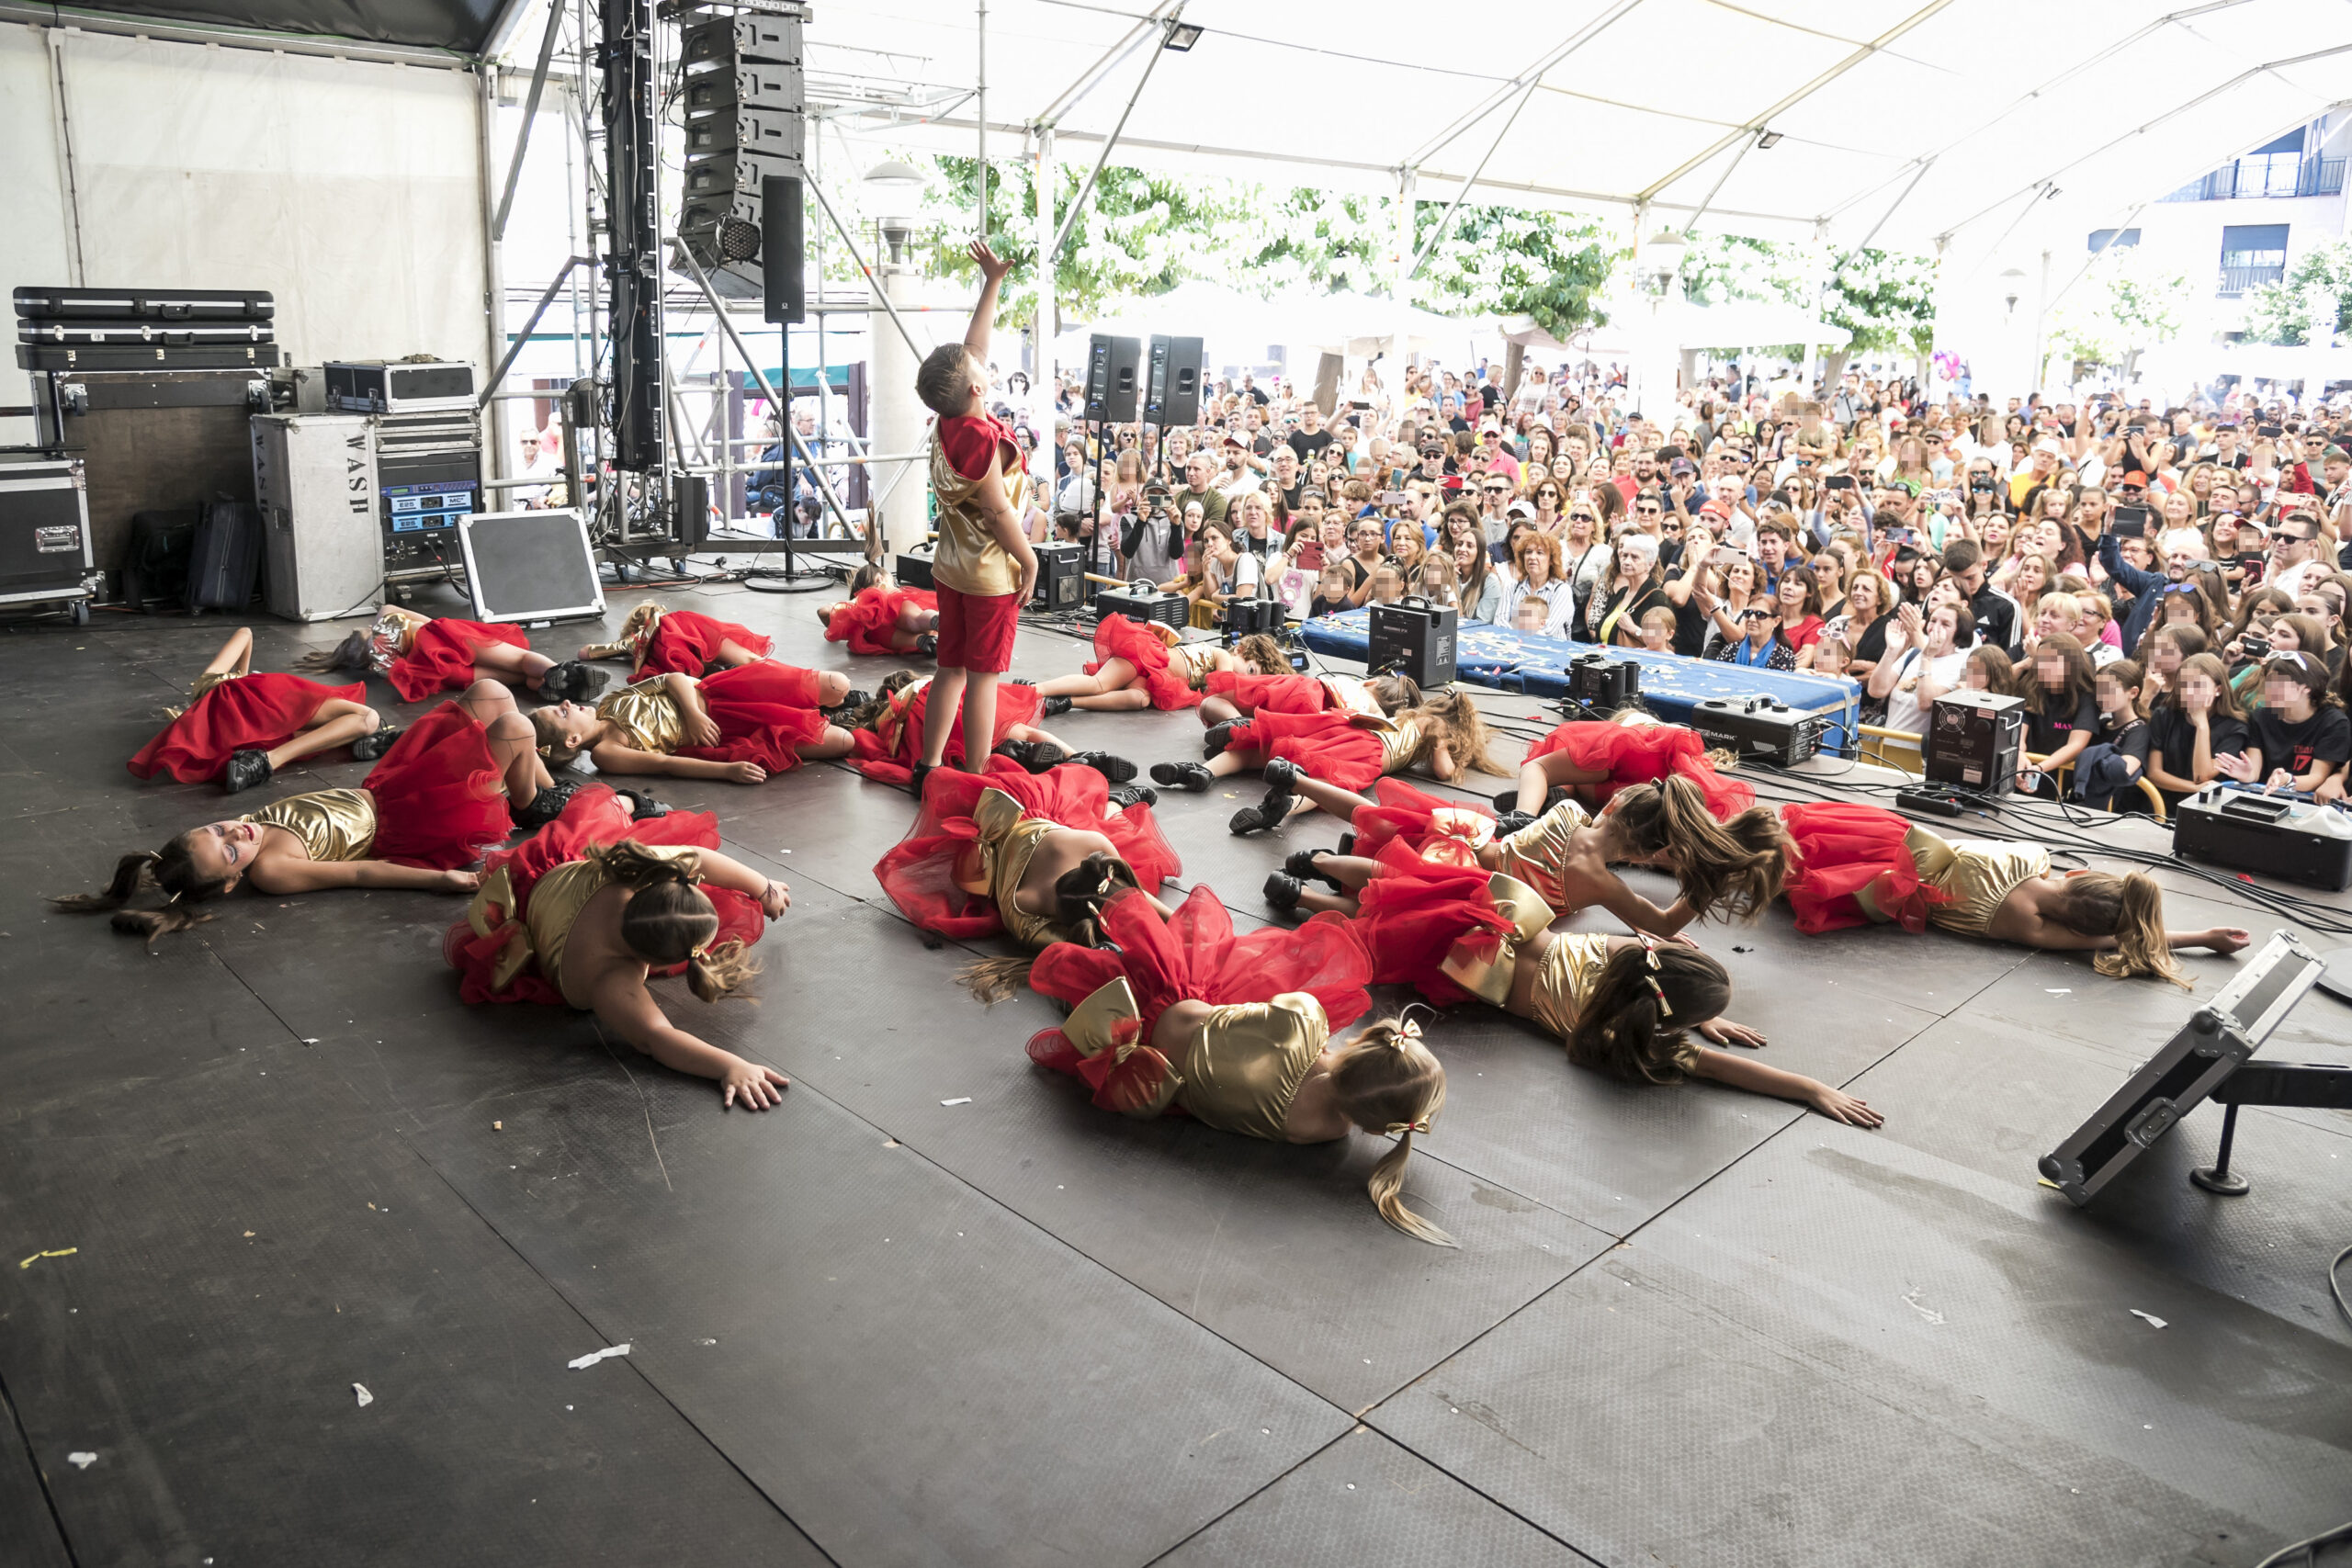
<point x="2307" y="670"/>
<point x="873" y="574"/>
<point x="1739" y="864"/>
<point x="1081" y="895"/>
<point x="2128" y="675"/>
<point x="1632" y="1024"/>
<point x="1452" y="717"/>
<point x="173" y="869"/>
<point x="1263" y="654"/>
<point x="2131" y="908"/>
<point x="1394" y="692"/>
<point x="1388" y="1083"/>
<point x="669" y="921"/>
<point x="865" y="716"/>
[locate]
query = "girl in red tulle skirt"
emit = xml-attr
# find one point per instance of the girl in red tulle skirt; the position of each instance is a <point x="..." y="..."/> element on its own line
<point x="1234" y="693"/>
<point x="1595" y="758"/>
<point x="983" y="838"/>
<point x="888" y="733"/>
<point x="740" y="725"/>
<point x="421" y="655"/>
<point x="1143" y="664"/>
<point x="658" y="640"/>
<point x="880" y="617"/>
<point x="242" y="727"/>
<point x="583" y="914"/>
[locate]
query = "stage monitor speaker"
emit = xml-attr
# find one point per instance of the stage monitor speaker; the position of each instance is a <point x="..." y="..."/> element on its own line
<point x="530" y="566"/>
<point x="1061" y="576"/>
<point x="1414" y="638"/>
<point x="1114" y="371"/>
<point x="1975" y="740"/>
<point x="691" y="504"/>
<point x="1172" y="395"/>
<point x="780" y="250"/>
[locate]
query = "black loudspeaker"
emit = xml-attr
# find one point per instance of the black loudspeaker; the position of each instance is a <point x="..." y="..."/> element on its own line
<point x="1248" y="617"/>
<point x="1415" y="639"/>
<point x="1142" y="602"/>
<point x="1975" y="740"/>
<point x="692" y="505"/>
<point x="1113" y="370"/>
<point x="1061" y="575"/>
<point x="743" y="96"/>
<point x="914" y="570"/>
<point x="1602" y="683"/>
<point x="1172" y="394"/>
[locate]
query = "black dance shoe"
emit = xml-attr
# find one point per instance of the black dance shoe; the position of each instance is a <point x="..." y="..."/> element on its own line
<point x="1036" y="756"/>
<point x="1300" y="865"/>
<point x="917" y="772"/>
<point x="573" y="682"/>
<point x="245" y="769"/>
<point x="1134" y="795"/>
<point x="928" y="645"/>
<point x="1052" y="708"/>
<point x="855" y="698"/>
<point x="1507" y="800"/>
<point x="1183" y="776"/>
<point x="1218" y="738"/>
<point x="367" y="747"/>
<point x="1347" y="845"/>
<point x="643" y="807"/>
<point x="1511" y="822"/>
<point x="546" y="806"/>
<point x="1283" y="890"/>
<point x="1282" y="773"/>
<point x="1119" y="770"/>
<point x="1263" y="817"/>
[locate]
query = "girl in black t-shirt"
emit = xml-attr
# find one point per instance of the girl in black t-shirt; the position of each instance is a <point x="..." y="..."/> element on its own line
<point x="2300" y="738"/>
<point x="2193" y="724"/>
<point x="2061" y="710"/>
<point x="2110" y="770"/>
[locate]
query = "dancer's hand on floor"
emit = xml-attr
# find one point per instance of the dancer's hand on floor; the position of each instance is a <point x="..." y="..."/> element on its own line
<point x="745" y="772"/>
<point x="1723" y="1032"/>
<point x="757" y="1086"/>
<point x="1840" y="1105"/>
<point x="776" y="898"/>
<point x="458" y="882"/>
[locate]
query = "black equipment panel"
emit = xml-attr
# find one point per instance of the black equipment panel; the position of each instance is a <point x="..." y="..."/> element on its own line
<point x="1415" y="639"/>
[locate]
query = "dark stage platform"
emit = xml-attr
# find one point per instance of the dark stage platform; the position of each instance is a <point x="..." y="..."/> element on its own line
<point x="935" y="1309"/>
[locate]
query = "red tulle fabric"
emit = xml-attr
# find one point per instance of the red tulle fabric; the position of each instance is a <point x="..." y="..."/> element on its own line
<point x="1272" y="694"/>
<point x="866" y="622"/>
<point x="1644" y="753"/>
<point x="1193" y="957"/>
<point x="1409" y="817"/>
<point x="919" y="873"/>
<point x="1327" y="745"/>
<point x="766" y="713"/>
<point x="439" y="802"/>
<point x="253" y="712"/>
<point x="1840" y="849"/>
<point x="891" y="755"/>
<point x="1117" y="636"/>
<point x="441" y="656"/>
<point x="594" y="816"/>
<point x="1411" y="915"/>
<point x="686" y="643"/>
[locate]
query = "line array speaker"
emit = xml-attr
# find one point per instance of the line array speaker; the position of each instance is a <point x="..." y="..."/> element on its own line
<point x="745" y="98"/>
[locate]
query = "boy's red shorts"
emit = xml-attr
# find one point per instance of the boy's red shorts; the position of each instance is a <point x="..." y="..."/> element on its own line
<point x="976" y="630"/>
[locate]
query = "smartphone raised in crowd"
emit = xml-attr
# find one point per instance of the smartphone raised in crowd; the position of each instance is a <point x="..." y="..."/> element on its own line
<point x="2129" y="522"/>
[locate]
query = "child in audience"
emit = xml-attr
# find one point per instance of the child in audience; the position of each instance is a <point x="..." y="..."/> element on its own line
<point x="1330" y="592"/>
<point x="2117" y="755"/>
<point x="1657" y="629"/>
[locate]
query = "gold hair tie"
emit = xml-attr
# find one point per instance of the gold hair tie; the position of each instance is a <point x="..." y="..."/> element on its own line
<point x="1398" y="1129"/>
<point x="1658" y="991"/>
<point x="1649" y="949"/>
<point x="702" y="950"/>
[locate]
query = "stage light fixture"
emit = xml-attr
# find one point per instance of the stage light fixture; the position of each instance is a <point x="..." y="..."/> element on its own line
<point x="1771" y="138"/>
<point x="1182" y="37"/>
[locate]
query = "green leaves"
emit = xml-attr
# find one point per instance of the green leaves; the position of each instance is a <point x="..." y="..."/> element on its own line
<point x="2281" y="312"/>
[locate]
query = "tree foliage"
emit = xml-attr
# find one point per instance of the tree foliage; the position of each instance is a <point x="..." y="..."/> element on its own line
<point x="2126" y="301"/>
<point x="1888" y="300"/>
<point x="2281" y="312"/>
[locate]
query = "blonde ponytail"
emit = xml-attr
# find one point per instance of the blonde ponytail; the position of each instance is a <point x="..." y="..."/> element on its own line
<point x="1388" y="1082"/>
<point x="991" y="980"/>
<point x="2141" y="944"/>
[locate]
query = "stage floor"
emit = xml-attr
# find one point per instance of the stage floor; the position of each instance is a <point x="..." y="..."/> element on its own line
<point x="935" y="1309"/>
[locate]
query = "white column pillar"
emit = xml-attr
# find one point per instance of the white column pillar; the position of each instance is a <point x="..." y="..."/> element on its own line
<point x="1399" y="261"/>
<point x="897" y="422"/>
<point x="1041" y="386"/>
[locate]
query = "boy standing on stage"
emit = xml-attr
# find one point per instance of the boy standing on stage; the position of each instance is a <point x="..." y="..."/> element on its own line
<point x="984" y="572"/>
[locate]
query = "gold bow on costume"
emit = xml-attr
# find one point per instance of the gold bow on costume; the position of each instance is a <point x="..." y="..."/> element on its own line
<point x="1458" y="834"/>
<point x="1649" y="950"/>
<point x="1109" y="1022"/>
<point x="1481" y="962"/>
<point x="492" y="914"/>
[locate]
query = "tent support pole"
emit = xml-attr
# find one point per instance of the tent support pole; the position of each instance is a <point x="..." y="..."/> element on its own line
<point x="1472" y="178"/>
<point x="1110" y="143"/>
<point x="530" y="117"/>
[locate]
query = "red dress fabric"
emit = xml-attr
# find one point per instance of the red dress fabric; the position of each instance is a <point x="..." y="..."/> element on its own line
<point x="765" y="712"/>
<point x="441" y="656"/>
<point x="1410" y="816"/>
<point x="252" y="712"/>
<point x="686" y="643"/>
<point x="1330" y="746"/>
<point x="1644" y="753"/>
<point x="891" y="753"/>
<point x="1272" y="694"/>
<point x="1411" y="914"/>
<point x="866" y="622"/>
<point x="593" y="816"/>
<point x="1840" y="849"/>
<point x="439" y="801"/>
<point x="919" y="872"/>
<point x="1194" y="957"/>
<point x="970" y="440"/>
<point x="1116" y="636"/>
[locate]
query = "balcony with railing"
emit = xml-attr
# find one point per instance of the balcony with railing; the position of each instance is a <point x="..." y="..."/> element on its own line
<point x="2236" y="280"/>
<point x="2273" y="175"/>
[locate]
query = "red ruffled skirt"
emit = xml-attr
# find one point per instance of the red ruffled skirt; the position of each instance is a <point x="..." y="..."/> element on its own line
<point x="594" y="816"/>
<point x="686" y="643"/>
<point x="1411" y="914"/>
<point x="866" y="622"/>
<point x="919" y="873"/>
<point x="252" y="712"/>
<point x="439" y="800"/>
<point x="1327" y="745"/>
<point x="1644" y="753"/>
<point x="441" y="656"/>
<point x="1272" y="694"/>
<point x="766" y="713"/>
<point x="1409" y="817"/>
<point x="1836" y="852"/>
<point x="1194" y="957"/>
<point x="891" y="758"/>
<point x="1117" y="636"/>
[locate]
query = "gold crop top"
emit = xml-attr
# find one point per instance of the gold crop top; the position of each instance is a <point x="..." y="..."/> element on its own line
<point x="555" y="901"/>
<point x="1974" y="874"/>
<point x="332" y="824"/>
<point x="1398" y="741"/>
<point x="1197" y="660"/>
<point x="1008" y="843"/>
<point x="1566" y="974"/>
<point x="205" y="683"/>
<point x="1351" y="696"/>
<point x="646" y="715"/>
<point x="1239" y="1074"/>
<point x="392" y="637"/>
<point x="1538" y="853"/>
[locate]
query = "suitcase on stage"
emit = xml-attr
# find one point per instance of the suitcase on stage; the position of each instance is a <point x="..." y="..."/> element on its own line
<point x="225" y="562"/>
<point x="148" y="356"/>
<point x="39" y="301"/>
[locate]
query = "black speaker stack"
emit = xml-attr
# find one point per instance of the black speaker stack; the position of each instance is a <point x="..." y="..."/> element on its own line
<point x="1112" y="367"/>
<point x="744" y="98"/>
<point x="1602" y="685"/>
<point x="1171" y="389"/>
<point x="1142" y="602"/>
<point x="1975" y="740"/>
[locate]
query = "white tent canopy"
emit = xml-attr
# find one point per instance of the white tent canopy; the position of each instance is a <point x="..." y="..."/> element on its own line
<point x="1906" y="122"/>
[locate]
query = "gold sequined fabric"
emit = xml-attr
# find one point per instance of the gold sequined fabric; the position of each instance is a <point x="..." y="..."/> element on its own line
<point x="1008" y="843"/>
<point x="1538" y="853"/>
<point x="1243" y="1069"/>
<point x="332" y="824"/>
<point x="646" y="715"/>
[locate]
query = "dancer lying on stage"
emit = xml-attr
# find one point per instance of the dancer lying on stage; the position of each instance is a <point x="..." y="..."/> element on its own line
<point x="1033" y="855"/>
<point x="1621" y="1004"/>
<point x="433" y="803"/>
<point x="1593" y="758"/>
<point x="1231" y="694"/>
<point x="1733" y="868"/>
<point x="422" y="655"/>
<point x="1444" y="734"/>
<point x="740" y="725"/>
<point x="880" y="617"/>
<point x="888" y="733"/>
<point x="581" y="915"/>
<point x="1180" y="1015"/>
<point x="1143" y="664"/>
<point x="658" y="640"/>
<point x="1857" y="864"/>
<point x="241" y="727"/>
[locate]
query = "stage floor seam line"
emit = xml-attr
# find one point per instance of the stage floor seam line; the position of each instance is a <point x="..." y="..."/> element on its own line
<point x="24" y="1443"/>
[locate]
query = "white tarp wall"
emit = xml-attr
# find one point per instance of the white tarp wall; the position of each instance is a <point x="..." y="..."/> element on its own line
<point x="350" y="190"/>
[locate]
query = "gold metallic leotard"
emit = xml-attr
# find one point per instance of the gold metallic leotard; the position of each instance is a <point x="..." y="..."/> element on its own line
<point x="646" y="715"/>
<point x="1238" y="1073"/>
<point x="1570" y="966"/>
<point x="332" y="824"/>
<point x="1974" y="874"/>
<point x="1008" y="843"/>
<point x="556" y="900"/>
<point x="1538" y="853"/>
